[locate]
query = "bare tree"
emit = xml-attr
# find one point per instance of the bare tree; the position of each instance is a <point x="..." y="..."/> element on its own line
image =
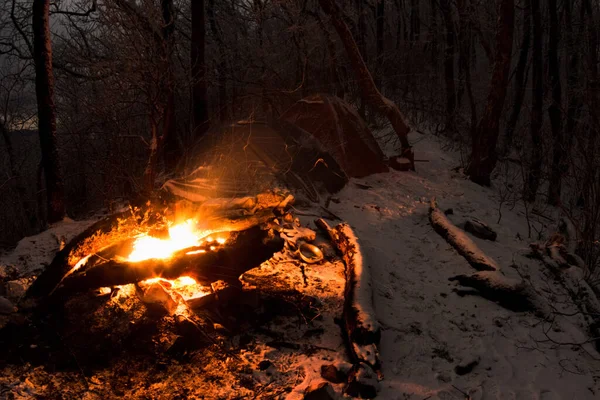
<point x="370" y="93"/>
<point x="559" y="149"/>
<point x="483" y="151"/>
<point x="537" y="94"/>
<point x="198" y="69"/>
<point x="520" y="78"/>
<point x="44" y="89"/>
<point x="449" y="53"/>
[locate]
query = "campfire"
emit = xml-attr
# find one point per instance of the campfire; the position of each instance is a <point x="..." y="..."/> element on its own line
<point x="177" y="278"/>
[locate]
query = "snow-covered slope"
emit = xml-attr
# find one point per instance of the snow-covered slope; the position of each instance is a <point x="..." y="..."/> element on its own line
<point x="429" y="329"/>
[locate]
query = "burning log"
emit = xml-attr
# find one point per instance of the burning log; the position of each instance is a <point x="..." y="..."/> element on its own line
<point x="244" y="250"/>
<point x="96" y="247"/>
<point x="361" y="326"/>
<point x="60" y="266"/>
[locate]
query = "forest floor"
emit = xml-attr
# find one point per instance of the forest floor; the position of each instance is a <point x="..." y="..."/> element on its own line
<point x="430" y="334"/>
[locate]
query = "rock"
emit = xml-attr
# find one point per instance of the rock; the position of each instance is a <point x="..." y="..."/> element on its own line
<point x="320" y="391"/>
<point x="264" y="364"/>
<point x="224" y="292"/>
<point x="480" y="230"/>
<point x="449" y="211"/>
<point x="17" y="288"/>
<point x="363" y="382"/>
<point x="6" y="307"/>
<point x="466" y="367"/>
<point x="444" y="377"/>
<point x="157" y="296"/>
<point x="332" y="374"/>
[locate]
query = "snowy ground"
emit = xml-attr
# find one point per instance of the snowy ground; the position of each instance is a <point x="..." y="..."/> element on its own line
<point x="427" y="328"/>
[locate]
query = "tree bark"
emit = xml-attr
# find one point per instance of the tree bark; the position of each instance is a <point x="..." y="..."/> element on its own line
<point x="172" y="148"/>
<point x="521" y="78"/>
<point x="198" y="70"/>
<point x="367" y="86"/>
<point x="380" y="19"/>
<point x="449" y="53"/>
<point x="483" y="152"/>
<point x="559" y="148"/>
<point x="44" y="90"/>
<point x="574" y="99"/>
<point x="415" y="21"/>
<point x="333" y="58"/>
<point x="533" y="179"/>
<point x="221" y="65"/>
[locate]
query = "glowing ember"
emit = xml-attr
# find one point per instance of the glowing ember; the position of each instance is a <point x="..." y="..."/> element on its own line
<point x="181" y="236"/>
<point x="186" y="286"/>
<point x="178" y="283"/>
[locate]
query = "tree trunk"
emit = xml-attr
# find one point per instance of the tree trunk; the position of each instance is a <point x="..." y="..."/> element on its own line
<point x="172" y="148"/>
<point x="483" y="153"/>
<point x="379" y="19"/>
<point x="415" y="21"/>
<point x="198" y="69"/>
<point x="365" y="80"/>
<point x="433" y="34"/>
<point x="559" y="149"/>
<point x="574" y="99"/>
<point x="221" y="65"/>
<point x="333" y="58"/>
<point x="449" y="52"/>
<point x="521" y="78"/>
<point x="533" y="179"/>
<point x="362" y="48"/>
<point x="44" y="90"/>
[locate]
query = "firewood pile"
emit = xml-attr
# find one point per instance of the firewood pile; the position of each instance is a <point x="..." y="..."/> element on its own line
<point x="228" y="298"/>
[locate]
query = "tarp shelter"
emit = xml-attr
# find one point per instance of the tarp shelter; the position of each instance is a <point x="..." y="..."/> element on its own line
<point x="251" y="157"/>
<point x="341" y="131"/>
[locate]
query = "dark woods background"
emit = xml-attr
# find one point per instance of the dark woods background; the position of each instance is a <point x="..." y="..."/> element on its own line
<point x="132" y="85"/>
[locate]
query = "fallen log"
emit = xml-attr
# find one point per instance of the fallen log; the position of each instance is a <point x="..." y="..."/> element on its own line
<point x="238" y="214"/>
<point x="459" y="240"/>
<point x="243" y="251"/>
<point x="572" y="278"/>
<point x="512" y="294"/>
<point x="489" y="282"/>
<point x="60" y="265"/>
<point x="360" y="323"/>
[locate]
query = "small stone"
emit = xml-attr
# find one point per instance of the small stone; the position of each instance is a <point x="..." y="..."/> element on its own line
<point x="17" y="288"/>
<point x="466" y="367"/>
<point x="264" y="365"/>
<point x="449" y="211"/>
<point x="480" y="230"/>
<point x="320" y="391"/>
<point x="363" y="382"/>
<point x="6" y="307"/>
<point x="157" y="295"/>
<point x="444" y="377"/>
<point x="332" y="374"/>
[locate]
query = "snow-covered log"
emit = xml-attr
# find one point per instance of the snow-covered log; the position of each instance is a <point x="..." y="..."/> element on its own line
<point x="512" y="294"/>
<point x="459" y="240"/>
<point x="360" y="322"/>
<point x="573" y="280"/>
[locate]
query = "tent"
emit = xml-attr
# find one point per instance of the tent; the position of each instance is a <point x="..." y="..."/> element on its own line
<point x="341" y="131"/>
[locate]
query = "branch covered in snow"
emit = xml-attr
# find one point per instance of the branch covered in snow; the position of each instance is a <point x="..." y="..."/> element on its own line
<point x="459" y="240"/>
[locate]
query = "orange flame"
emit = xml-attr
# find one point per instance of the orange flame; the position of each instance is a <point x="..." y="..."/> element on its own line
<point x="181" y="236"/>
